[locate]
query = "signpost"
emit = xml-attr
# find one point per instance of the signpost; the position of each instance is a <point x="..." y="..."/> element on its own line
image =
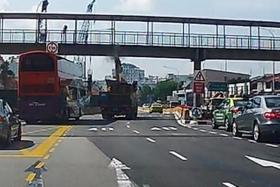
<point x="198" y="86"/>
<point x="52" y="47"/>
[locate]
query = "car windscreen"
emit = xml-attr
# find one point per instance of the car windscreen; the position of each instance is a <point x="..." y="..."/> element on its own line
<point x="272" y="102"/>
<point x="37" y="63"/>
<point x="238" y="103"/>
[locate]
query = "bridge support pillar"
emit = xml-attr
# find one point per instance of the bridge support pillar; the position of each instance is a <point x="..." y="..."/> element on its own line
<point x="196" y="97"/>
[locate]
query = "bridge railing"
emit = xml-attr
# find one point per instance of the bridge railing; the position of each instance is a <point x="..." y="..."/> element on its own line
<point x="146" y="39"/>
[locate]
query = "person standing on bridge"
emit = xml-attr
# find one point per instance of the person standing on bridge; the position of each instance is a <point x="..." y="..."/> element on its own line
<point x="64" y="34"/>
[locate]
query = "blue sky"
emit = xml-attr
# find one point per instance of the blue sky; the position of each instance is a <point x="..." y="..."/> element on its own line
<point x="237" y="9"/>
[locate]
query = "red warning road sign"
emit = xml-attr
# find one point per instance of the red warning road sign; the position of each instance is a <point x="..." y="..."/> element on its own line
<point x="198" y="87"/>
<point x="199" y="77"/>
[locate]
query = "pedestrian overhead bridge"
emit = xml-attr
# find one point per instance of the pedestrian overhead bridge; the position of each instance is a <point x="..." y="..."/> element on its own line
<point x="251" y="40"/>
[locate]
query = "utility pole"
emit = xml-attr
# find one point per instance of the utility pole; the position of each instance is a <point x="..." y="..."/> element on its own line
<point x="273" y="62"/>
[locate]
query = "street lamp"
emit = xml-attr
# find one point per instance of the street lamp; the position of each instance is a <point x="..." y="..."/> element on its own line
<point x="273" y="62"/>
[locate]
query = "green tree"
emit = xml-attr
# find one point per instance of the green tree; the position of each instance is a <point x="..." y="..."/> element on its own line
<point x="145" y="93"/>
<point x="164" y="89"/>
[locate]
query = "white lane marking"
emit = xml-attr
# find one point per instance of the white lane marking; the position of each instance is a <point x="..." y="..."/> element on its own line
<point x="103" y="129"/>
<point x="128" y="123"/>
<point x="252" y="141"/>
<point x="264" y="163"/>
<point x="228" y="184"/>
<point x="212" y="132"/>
<point x="135" y="131"/>
<point x="151" y="140"/>
<point x="202" y="130"/>
<point x="178" y="155"/>
<point x="128" y="126"/>
<point x="237" y="138"/>
<point x="111" y="129"/>
<point x="122" y="179"/>
<point x="93" y="129"/>
<point x="173" y="128"/>
<point x="195" y="129"/>
<point x="225" y="135"/>
<point x="272" y="145"/>
<point x="166" y="128"/>
<point x="155" y="129"/>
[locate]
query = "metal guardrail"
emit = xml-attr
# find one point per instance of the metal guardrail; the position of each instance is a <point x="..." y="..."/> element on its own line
<point x="156" y="39"/>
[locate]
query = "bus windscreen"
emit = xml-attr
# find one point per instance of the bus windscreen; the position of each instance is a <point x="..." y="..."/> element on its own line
<point x="37" y="63"/>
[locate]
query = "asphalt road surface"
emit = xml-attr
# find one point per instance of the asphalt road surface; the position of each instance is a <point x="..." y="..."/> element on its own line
<point x="155" y="150"/>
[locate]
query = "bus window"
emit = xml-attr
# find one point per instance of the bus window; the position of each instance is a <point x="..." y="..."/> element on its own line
<point x="37" y="62"/>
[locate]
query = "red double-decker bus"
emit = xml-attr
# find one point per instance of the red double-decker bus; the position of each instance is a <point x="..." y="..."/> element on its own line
<point x="49" y="87"/>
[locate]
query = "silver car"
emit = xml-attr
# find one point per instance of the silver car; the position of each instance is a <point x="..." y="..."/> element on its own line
<point x="260" y="117"/>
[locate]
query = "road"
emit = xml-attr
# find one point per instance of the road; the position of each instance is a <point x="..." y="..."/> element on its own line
<point x="154" y="150"/>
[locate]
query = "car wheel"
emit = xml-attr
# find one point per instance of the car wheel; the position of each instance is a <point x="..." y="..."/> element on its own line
<point x="235" y="131"/>
<point x="8" y="140"/>
<point x="257" y="133"/>
<point x="19" y="134"/>
<point x="227" y="125"/>
<point x="214" y="124"/>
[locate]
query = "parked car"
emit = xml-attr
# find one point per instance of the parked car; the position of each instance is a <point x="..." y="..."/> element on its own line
<point x="10" y="126"/>
<point x="156" y="107"/>
<point x="261" y="118"/>
<point x="225" y="112"/>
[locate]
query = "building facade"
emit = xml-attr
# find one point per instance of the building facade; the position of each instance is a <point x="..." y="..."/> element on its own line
<point x="131" y="73"/>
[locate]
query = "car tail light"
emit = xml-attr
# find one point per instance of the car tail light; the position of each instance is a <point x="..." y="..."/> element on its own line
<point x="271" y="115"/>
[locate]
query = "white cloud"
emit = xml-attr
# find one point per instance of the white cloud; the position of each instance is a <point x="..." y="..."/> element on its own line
<point x="4" y="5"/>
<point x="135" y="6"/>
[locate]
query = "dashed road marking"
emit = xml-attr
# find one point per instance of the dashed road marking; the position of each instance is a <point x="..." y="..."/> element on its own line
<point x="103" y="129"/>
<point x="51" y="150"/>
<point x="46" y="157"/>
<point x="195" y="129"/>
<point x="128" y="126"/>
<point x="225" y="135"/>
<point x="155" y="129"/>
<point x="228" y="184"/>
<point x="151" y="140"/>
<point x="93" y="129"/>
<point x="135" y="131"/>
<point x="178" y="155"/>
<point x="252" y="141"/>
<point x="237" y="138"/>
<point x="202" y="130"/>
<point x="166" y="128"/>
<point x="128" y="123"/>
<point x="272" y="145"/>
<point x="212" y="132"/>
<point x="111" y="129"/>
<point x="173" y="128"/>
